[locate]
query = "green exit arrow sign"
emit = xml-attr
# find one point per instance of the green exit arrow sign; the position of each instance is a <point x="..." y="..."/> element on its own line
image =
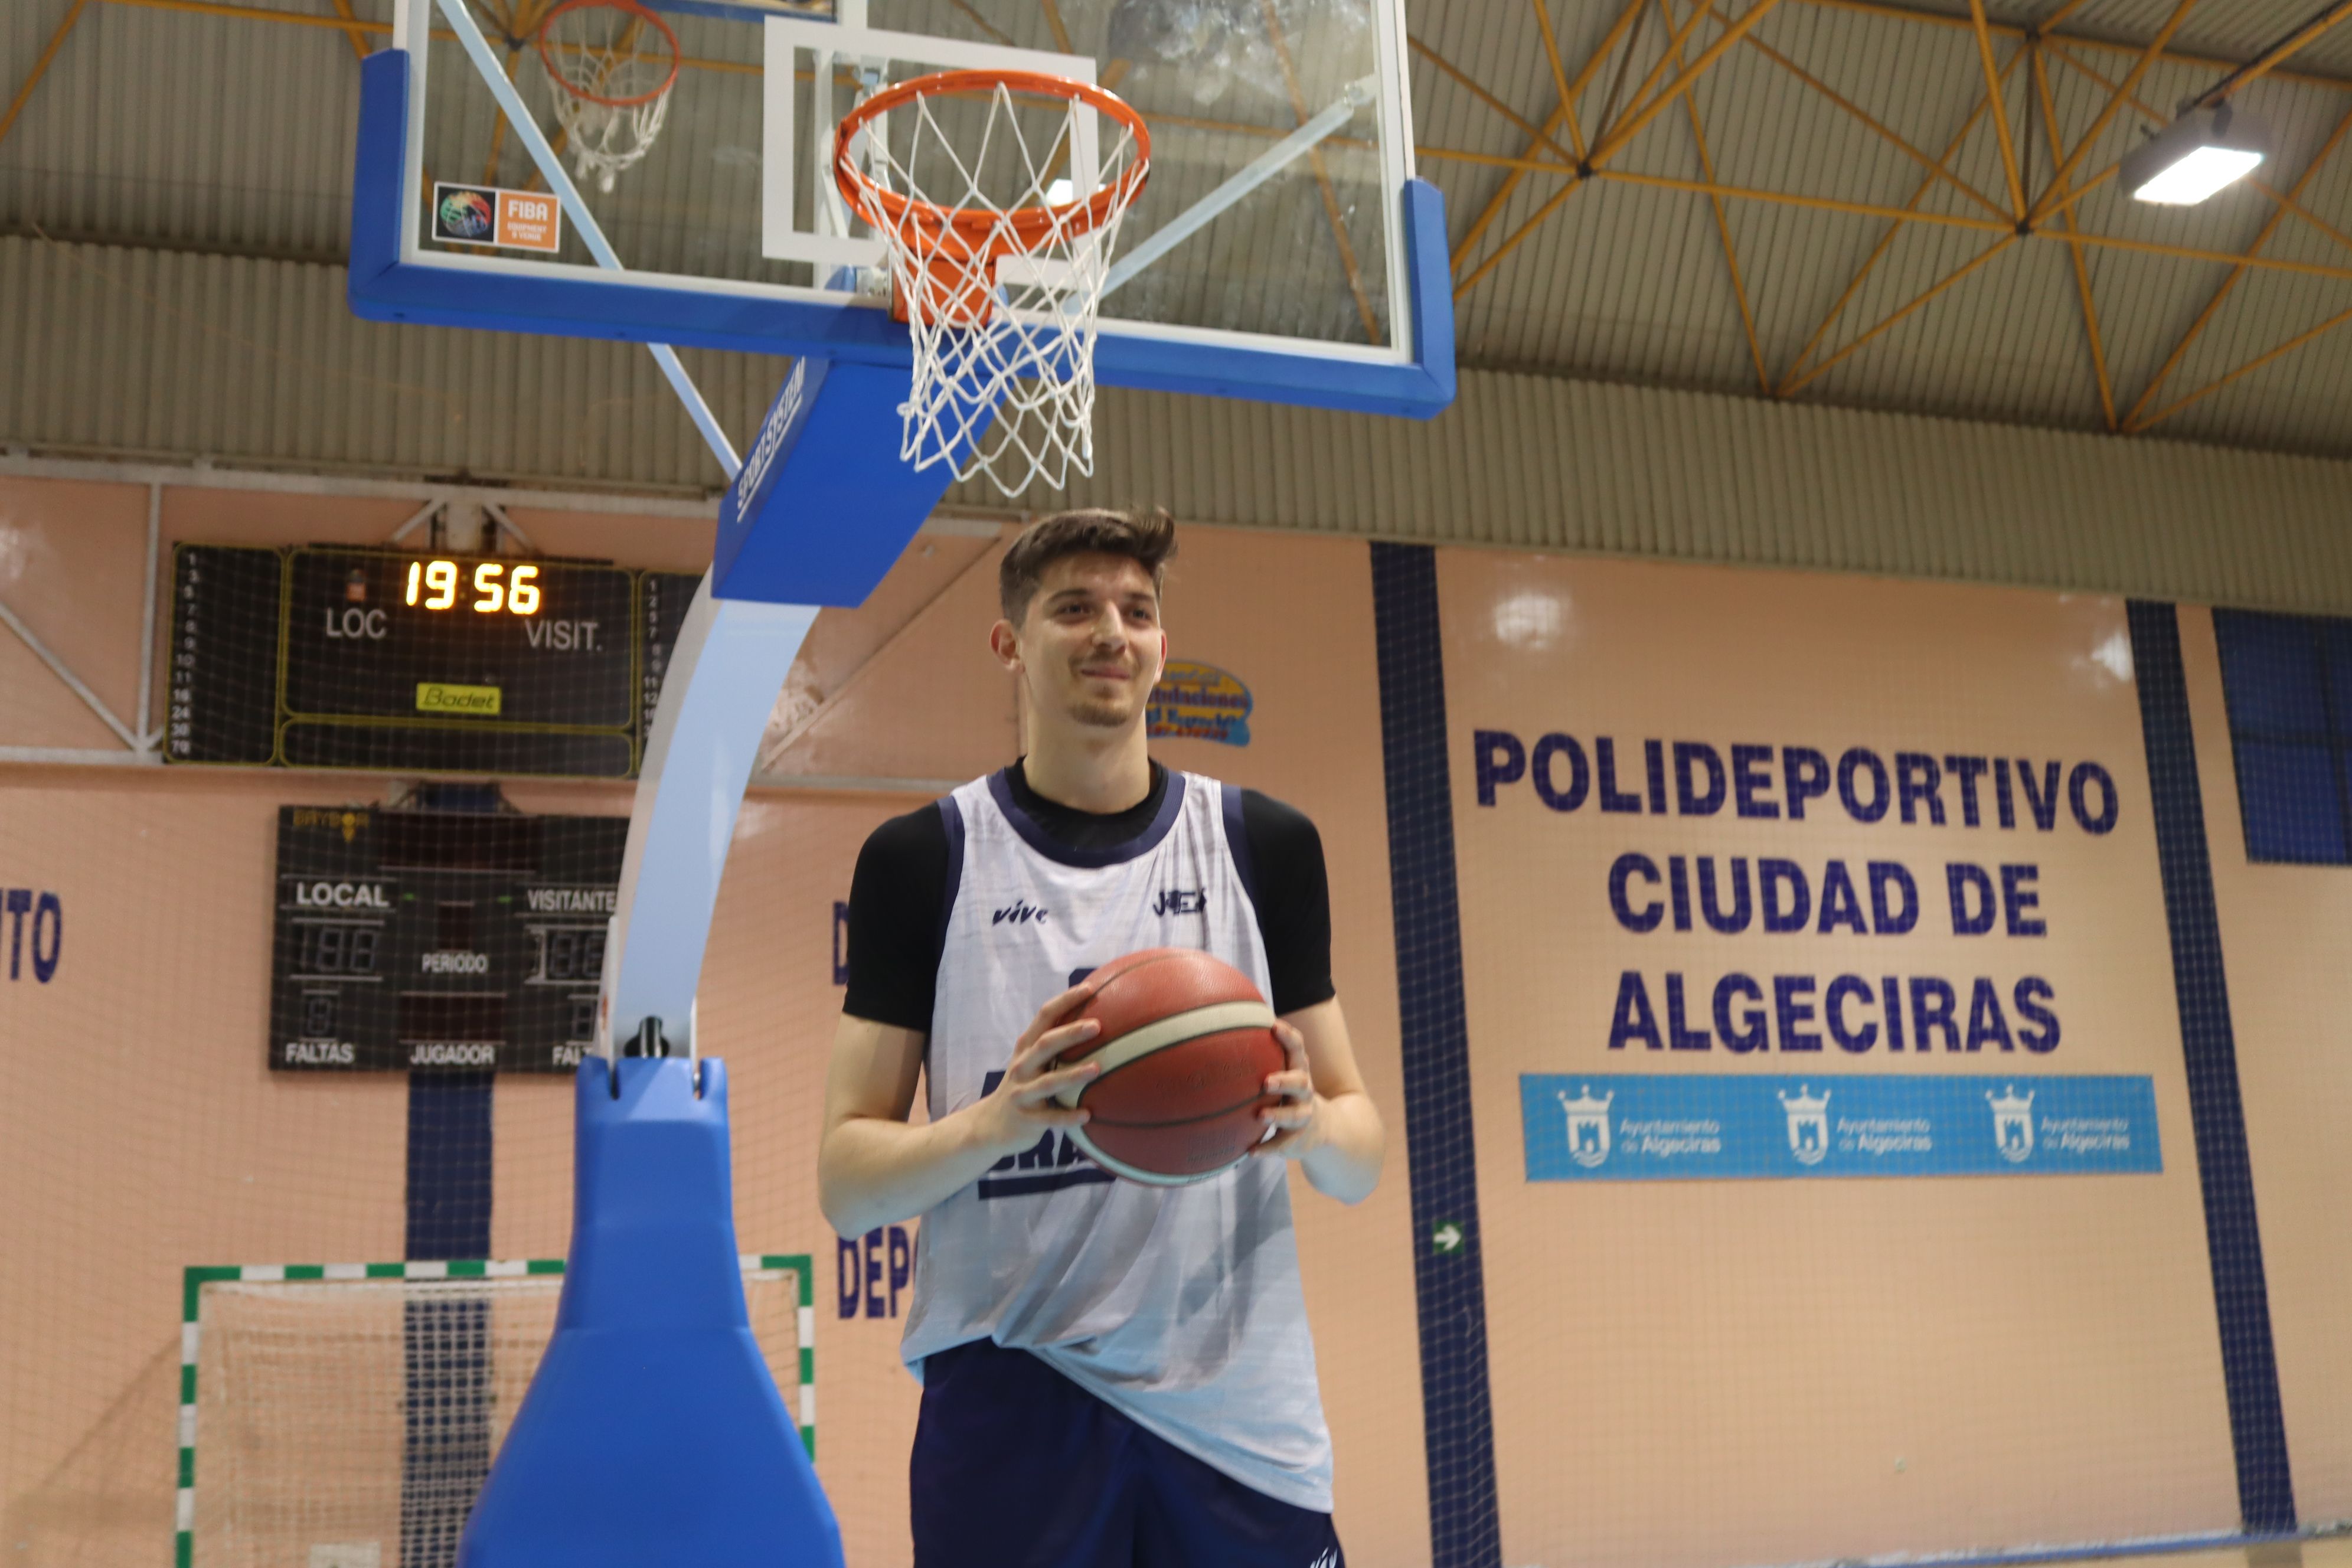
<point x="1446" y="1236"/>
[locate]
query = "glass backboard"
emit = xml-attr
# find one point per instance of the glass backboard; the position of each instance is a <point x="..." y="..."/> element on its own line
<point x="1281" y="247"/>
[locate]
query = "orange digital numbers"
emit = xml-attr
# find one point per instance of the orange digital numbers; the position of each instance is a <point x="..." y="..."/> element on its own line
<point x="433" y="584"/>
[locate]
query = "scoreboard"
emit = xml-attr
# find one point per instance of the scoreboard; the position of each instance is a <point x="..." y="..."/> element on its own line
<point x="333" y="657"/>
<point x="439" y="940"/>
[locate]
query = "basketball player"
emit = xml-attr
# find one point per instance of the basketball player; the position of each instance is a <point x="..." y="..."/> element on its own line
<point x="1114" y="1375"/>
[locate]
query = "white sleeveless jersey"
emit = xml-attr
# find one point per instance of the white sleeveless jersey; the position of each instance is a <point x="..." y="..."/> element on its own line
<point x="1179" y="1305"/>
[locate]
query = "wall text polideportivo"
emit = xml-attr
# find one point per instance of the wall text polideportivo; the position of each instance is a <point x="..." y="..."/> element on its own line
<point x="1792" y="784"/>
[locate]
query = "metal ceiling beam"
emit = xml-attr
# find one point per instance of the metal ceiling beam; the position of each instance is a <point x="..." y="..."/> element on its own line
<point x="1496" y="203"/>
<point x="1565" y="160"/>
<point x="1512" y="241"/>
<point x="257" y="14"/>
<point x="1542" y="8"/>
<point x="2246" y="369"/>
<point x="1677" y="35"/>
<point x="2133" y="422"/>
<point x="1812" y="202"/>
<point x="1631" y="126"/>
<point x="1615" y="138"/>
<point x="1935" y="169"/>
<point x="2082" y="269"/>
<point x="2160" y="120"/>
<point x="2189" y="253"/>
<point x="1722" y="221"/>
<point x="40" y="69"/>
<point x="354" y="33"/>
<point x="1982" y="225"/>
<point x="2115" y="101"/>
<point x="2283" y="199"/>
<point x="1910" y="209"/>
<point x="2106" y="46"/>
<point x="1795" y="384"/>
<point x="1997" y="95"/>
<point x="2293" y="43"/>
<point x="1492" y="160"/>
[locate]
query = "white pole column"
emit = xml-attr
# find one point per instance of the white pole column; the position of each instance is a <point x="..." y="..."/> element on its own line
<point x="731" y="661"/>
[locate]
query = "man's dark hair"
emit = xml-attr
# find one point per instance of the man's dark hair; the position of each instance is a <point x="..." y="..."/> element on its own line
<point x="1147" y="538"/>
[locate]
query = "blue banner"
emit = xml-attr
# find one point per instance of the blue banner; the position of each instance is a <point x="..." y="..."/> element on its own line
<point x="1632" y="1127"/>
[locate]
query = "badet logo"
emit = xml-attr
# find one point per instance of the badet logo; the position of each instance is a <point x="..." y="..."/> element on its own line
<point x="1199" y="702"/>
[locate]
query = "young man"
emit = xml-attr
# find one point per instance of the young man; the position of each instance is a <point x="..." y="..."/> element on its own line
<point x="1114" y="1375"/>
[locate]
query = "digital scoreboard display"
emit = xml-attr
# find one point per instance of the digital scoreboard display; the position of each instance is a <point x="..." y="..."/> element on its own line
<point x="330" y="656"/>
<point x="435" y="941"/>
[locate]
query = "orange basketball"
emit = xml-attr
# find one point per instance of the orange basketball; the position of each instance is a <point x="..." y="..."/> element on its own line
<point x="1186" y="1047"/>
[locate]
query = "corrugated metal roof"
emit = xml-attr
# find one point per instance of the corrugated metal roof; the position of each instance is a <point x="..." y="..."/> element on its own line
<point x="124" y="351"/>
<point x="164" y="128"/>
<point x="254" y="363"/>
<point x="1631" y="281"/>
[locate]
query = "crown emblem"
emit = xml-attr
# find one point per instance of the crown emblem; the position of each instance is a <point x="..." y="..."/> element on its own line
<point x="1808" y="1123"/>
<point x="1588" y="1126"/>
<point x="2013" y="1122"/>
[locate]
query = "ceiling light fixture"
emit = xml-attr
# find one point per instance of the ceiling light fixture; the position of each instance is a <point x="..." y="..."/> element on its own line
<point x="2197" y="155"/>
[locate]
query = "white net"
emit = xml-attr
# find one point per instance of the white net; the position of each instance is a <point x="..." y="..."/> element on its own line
<point x="611" y="66"/>
<point x="350" y="1424"/>
<point x="1001" y="303"/>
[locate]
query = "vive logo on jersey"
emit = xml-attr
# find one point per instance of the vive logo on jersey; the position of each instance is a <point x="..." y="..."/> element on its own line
<point x="1180" y="901"/>
<point x="1019" y="913"/>
<point x="1054" y="1162"/>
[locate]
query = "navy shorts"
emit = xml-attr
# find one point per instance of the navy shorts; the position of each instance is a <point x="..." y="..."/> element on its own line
<point x="1017" y="1466"/>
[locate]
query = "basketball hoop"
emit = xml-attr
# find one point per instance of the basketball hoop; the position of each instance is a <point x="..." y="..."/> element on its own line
<point x="997" y="268"/>
<point x="612" y="63"/>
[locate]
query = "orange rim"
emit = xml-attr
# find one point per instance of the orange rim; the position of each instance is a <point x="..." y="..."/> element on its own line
<point x="963" y="234"/>
<point x="630" y="8"/>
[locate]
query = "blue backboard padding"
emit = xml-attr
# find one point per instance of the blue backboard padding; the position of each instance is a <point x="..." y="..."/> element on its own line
<point x="384" y="287"/>
<point x="824" y="504"/>
<point x="653" y="1431"/>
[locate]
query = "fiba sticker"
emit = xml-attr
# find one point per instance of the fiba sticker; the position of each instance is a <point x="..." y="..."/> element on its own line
<point x="485" y="214"/>
<point x="1199" y="702"/>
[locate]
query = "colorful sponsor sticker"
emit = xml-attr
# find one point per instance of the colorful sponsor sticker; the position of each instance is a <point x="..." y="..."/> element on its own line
<point x="1199" y="702"/>
<point x="1621" y="1127"/>
<point x="486" y="214"/>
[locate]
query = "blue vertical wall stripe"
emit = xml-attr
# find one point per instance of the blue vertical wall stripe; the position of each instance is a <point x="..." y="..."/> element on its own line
<point x="1449" y="1287"/>
<point x="446" y="1439"/>
<point x="449" y="1164"/>
<point x="2232" y="1234"/>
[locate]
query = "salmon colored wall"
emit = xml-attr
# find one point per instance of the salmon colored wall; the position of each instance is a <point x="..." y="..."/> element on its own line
<point x="1790" y="1370"/>
<point x="145" y="1134"/>
<point x="2282" y="935"/>
<point x="1683" y="1373"/>
<point x="184" y="1149"/>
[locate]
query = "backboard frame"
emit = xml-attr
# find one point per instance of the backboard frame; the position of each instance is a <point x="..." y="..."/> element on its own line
<point x="394" y="277"/>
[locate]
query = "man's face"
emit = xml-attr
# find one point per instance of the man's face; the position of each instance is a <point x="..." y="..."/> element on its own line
<point x="1090" y="646"/>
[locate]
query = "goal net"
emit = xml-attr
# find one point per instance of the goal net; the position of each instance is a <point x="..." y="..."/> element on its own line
<point x="345" y="1416"/>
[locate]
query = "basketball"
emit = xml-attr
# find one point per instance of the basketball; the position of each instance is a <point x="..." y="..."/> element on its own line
<point x="1186" y="1047"/>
